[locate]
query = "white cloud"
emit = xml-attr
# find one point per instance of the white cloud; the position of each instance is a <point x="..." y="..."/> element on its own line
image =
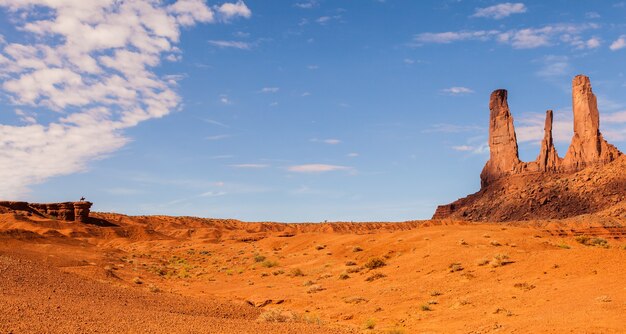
<point x="619" y="43"/>
<point x="305" y="94"/>
<point x="231" y="10"/>
<point x="316" y="168"/>
<point x="457" y="90"/>
<point x="231" y="44"/>
<point x="225" y="100"/>
<point x="251" y="166"/>
<point x="527" y="38"/>
<point x="312" y="67"/>
<point x="500" y="11"/>
<point x="269" y="90"/>
<point x="353" y="155"/>
<point x="92" y="61"/>
<point x="593" y="43"/>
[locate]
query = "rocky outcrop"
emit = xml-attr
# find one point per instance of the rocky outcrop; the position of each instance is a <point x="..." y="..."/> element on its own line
<point x="588" y="148"/>
<point x="68" y="211"/>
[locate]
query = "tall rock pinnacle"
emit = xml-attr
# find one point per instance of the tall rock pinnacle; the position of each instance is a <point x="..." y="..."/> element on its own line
<point x="548" y="160"/>
<point x="503" y="154"/>
<point x="588" y="147"/>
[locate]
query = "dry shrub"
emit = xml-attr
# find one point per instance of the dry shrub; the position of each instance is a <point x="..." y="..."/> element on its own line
<point x="355" y="300"/>
<point x="315" y="288"/>
<point x="455" y="267"/>
<point x="374" y="263"/>
<point x="375" y="277"/>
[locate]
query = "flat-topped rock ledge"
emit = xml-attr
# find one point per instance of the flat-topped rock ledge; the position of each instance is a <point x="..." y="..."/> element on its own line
<point x="68" y="211"/>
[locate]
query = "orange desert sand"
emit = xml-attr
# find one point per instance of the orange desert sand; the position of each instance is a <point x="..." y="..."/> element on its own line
<point x="181" y="274"/>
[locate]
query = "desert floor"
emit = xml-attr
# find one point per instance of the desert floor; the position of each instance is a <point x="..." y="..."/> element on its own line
<point x="123" y="274"/>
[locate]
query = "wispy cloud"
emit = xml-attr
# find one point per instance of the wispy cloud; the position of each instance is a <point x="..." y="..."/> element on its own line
<point x="269" y="90"/>
<point x="317" y="168"/>
<point x="554" y="66"/>
<point x="453" y="128"/>
<point x="214" y="122"/>
<point x="352" y="155"/>
<point x="231" y="44"/>
<point x="250" y="166"/>
<point x="527" y="38"/>
<point x="218" y="137"/>
<point x="500" y="11"/>
<point x="329" y="141"/>
<point x="474" y="149"/>
<point x="307" y="4"/>
<point x="323" y="20"/>
<point x="457" y="91"/>
<point x="99" y="77"/>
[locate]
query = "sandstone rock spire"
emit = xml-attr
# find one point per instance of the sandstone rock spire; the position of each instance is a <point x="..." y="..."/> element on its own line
<point x="548" y="160"/>
<point x="503" y="152"/>
<point x="588" y="147"/>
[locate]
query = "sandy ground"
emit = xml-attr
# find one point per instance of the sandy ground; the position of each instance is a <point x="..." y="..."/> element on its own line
<point x="164" y="274"/>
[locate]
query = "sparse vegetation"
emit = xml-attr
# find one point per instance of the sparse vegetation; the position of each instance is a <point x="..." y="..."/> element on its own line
<point x="495" y="243"/>
<point x="276" y="315"/>
<point x="425" y="307"/>
<point x="344" y="276"/>
<point x="435" y="293"/>
<point x="564" y="246"/>
<point x="153" y="288"/>
<point x="137" y="280"/>
<point x="350" y="263"/>
<point x="462" y="242"/>
<point x="320" y="247"/>
<point x="588" y="241"/>
<point x="259" y="258"/>
<point x="375" y="263"/>
<point x="356" y="249"/>
<point x="308" y="283"/>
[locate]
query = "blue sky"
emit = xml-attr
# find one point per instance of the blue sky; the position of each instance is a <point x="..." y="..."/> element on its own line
<point x="288" y="111"/>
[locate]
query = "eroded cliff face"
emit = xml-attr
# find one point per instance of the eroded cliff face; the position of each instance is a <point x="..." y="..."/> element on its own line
<point x="588" y="147"/>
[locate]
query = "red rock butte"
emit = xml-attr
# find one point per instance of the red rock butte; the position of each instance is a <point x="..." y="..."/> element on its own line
<point x="68" y="211"/>
<point x="587" y="149"/>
